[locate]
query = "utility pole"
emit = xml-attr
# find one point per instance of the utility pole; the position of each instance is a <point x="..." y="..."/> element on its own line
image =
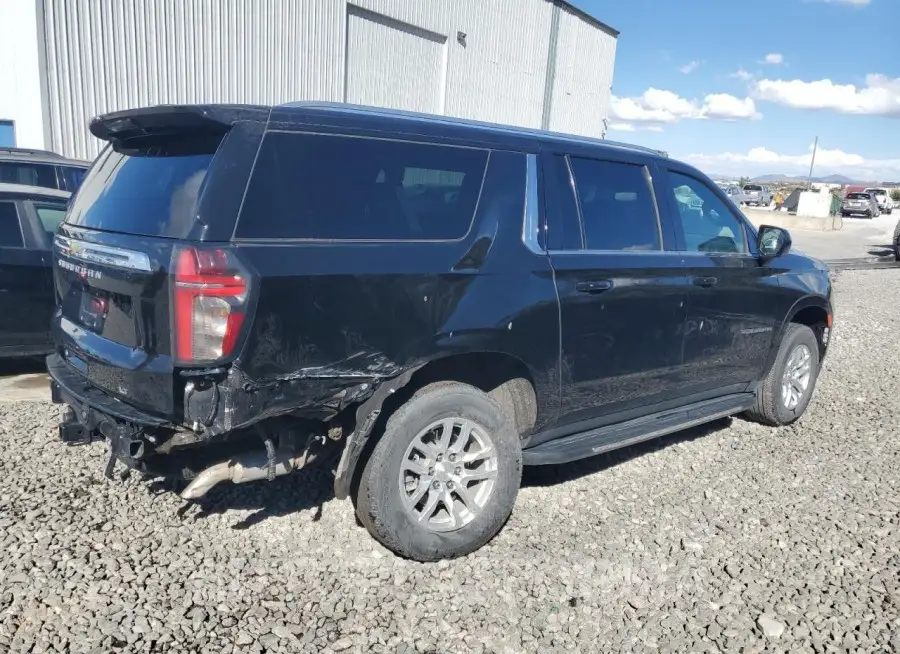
<point x="811" y="164"/>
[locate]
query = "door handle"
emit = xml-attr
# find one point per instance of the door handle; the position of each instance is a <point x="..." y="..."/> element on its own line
<point x="594" y="287"/>
<point x="705" y="282"/>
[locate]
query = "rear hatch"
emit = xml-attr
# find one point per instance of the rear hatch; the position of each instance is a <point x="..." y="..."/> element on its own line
<point x="158" y="206"/>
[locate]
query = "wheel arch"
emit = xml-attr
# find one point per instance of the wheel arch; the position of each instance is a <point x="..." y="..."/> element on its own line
<point x="509" y="381"/>
<point x="814" y="312"/>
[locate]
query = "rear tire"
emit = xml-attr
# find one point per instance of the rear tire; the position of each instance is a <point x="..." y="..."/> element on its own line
<point x="775" y="405"/>
<point x="393" y="500"/>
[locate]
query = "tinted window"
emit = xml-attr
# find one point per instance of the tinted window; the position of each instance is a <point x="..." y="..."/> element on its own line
<point x="617" y="207"/>
<point x="73" y="176"/>
<point x="752" y="187"/>
<point x="563" y="228"/>
<point x="335" y="187"/>
<point x="10" y="230"/>
<point x="707" y="222"/>
<point x="858" y="196"/>
<point x="17" y="172"/>
<point x="51" y="215"/>
<point x="139" y="193"/>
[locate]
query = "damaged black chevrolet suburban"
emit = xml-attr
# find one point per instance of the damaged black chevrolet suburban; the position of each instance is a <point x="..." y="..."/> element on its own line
<point x="242" y="290"/>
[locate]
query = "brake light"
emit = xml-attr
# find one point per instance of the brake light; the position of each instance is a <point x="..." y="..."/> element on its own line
<point x="210" y="302"/>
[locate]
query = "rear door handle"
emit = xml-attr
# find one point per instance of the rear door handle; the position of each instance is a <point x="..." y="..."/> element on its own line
<point x="594" y="287"/>
<point x="705" y="282"/>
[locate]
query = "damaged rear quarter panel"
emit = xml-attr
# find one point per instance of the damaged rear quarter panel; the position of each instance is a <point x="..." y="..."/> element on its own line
<point x="335" y="319"/>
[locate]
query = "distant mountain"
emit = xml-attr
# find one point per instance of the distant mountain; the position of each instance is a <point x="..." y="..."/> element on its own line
<point x="828" y="179"/>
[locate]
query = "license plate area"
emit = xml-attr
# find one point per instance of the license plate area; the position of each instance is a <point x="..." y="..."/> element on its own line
<point x="93" y="310"/>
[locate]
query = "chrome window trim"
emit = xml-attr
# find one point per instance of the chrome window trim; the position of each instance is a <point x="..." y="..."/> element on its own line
<point x="106" y="255"/>
<point x="531" y="221"/>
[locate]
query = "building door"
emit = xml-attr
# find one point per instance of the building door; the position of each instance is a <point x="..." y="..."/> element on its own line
<point x="393" y="64"/>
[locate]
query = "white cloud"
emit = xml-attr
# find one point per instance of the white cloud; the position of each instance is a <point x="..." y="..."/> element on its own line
<point x="628" y="127"/>
<point x="880" y="95"/>
<point x="690" y="67"/>
<point x="761" y="160"/>
<point x="774" y="58"/>
<point x="742" y="75"/>
<point x="722" y="106"/>
<point x="658" y="107"/>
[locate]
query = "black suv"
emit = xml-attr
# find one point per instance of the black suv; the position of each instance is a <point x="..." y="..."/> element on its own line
<point x="41" y="168"/>
<point x="434" y="302"/>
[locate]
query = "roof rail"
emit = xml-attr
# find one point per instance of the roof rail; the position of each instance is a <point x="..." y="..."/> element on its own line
<point x="45" y="153"/>
<point x="639" y="148"/>
<point x="493" y="127"/>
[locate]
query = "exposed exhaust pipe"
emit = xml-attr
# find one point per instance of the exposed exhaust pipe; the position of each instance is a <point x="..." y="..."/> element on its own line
<point x="240" y="469"/>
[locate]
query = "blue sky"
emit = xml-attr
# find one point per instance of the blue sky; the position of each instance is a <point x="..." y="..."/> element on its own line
<point x="744" y="88"/>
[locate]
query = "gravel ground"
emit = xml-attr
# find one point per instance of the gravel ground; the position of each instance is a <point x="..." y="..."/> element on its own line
<point x="733" y="538"/>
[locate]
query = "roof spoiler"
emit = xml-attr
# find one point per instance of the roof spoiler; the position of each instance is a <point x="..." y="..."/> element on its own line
<point x="170" y="120"/>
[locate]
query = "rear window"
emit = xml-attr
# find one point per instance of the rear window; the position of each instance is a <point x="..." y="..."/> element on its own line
<point x="324" y="187"/>
<point x="857" y="196"/>
<point x="17" y="172"/>
<point x="150" y="192"/>
<point x="752" y="187"/>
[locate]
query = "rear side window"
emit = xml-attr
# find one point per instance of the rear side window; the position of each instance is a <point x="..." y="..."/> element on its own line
<point x="344" y="188"/>
<point x="150" y="192"/>
<point x="17" y="172"/>
<point x="10" y="229"/>
<point x="617" y="207"/>
<point x="50" y="215"/>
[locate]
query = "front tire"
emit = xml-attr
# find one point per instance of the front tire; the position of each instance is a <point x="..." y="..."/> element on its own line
<point x="443" y="479"/>
<point x="786" y="391"/>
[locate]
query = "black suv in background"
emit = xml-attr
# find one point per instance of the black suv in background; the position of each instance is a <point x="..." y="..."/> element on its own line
<point x="437" y="301"/>
<point x="41" y="168"/>
<point x="29" y="217"/>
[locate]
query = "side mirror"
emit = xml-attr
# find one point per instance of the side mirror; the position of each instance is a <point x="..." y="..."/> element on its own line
<point x="772" y="241"/>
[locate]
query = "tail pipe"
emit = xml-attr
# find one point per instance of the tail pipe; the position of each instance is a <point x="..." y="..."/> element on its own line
<point x="251" y="466"/>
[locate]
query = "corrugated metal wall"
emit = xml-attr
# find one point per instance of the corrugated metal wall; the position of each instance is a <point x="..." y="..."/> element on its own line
<point x="469" y="58"/>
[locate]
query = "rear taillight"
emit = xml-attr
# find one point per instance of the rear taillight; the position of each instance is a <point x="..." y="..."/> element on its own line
<point x="210" y="302"/>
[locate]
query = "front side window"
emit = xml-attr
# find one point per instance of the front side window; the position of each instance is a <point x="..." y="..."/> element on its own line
<point x="707" y="223"/>
<point x="324" y="187"/>
<point x="28" y="174"/>
<point x="50" y="215"/>
<point x="10" y="228"/>
<point x="617" y="206"/>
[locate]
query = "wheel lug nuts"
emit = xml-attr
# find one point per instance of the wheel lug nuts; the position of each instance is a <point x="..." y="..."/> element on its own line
<point x="457" y="470"/>
<point x="450" y="485"/>
<point x="452" y="458"/>
<point x="430" y="471"/>
<point x="436" y="485"/>
<point x="440" y="457"/>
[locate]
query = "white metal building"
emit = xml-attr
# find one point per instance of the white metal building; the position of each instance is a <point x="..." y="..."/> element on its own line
<point x="535" y="63"/>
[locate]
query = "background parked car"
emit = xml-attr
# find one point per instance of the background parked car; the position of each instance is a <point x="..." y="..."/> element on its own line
<point x="735" y="194"/>
<point x="757" y="194"/>
<point x="29" y="216"/>
<point x="883" y="199"/>
<point x="860" y="203"/>
<point x="41" y="168"/>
